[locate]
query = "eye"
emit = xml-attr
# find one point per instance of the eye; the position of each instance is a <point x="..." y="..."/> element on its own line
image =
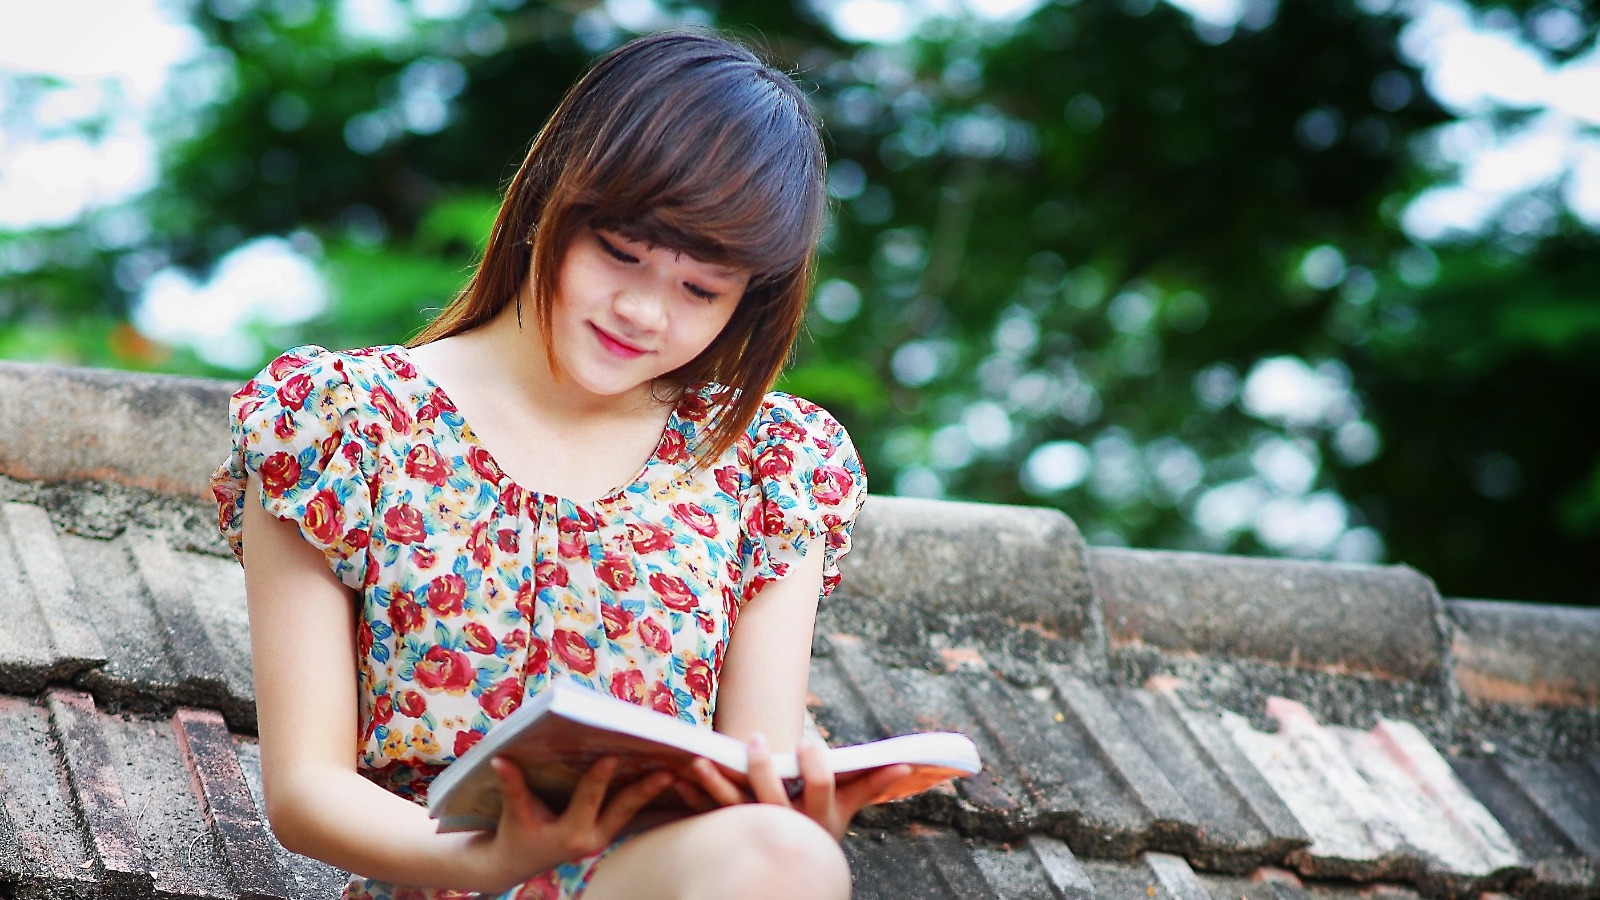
<point x="701" y="292"/>
<point x="612" y="251"/>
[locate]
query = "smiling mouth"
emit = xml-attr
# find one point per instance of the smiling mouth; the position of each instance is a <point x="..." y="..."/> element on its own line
<point x="616" y="346"/>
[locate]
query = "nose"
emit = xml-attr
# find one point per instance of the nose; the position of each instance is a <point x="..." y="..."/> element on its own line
<point x="641" y="308"/>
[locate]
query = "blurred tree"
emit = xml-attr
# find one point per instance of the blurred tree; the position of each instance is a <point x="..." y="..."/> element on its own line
<point x="1109" y="259"/>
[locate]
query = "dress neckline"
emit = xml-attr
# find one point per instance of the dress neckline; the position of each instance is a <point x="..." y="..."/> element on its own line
<point x="465" y="432"/>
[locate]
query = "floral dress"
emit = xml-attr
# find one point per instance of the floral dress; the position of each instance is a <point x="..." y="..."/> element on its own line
<point x="475" y="591"/>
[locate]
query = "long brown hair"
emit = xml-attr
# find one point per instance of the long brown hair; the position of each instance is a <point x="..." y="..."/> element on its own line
<point x="685" y="140"/>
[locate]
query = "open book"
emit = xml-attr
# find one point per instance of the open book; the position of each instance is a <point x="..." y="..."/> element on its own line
<point x="555" y="736"/>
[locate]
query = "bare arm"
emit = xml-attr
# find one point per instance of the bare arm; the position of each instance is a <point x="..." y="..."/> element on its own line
<point x="302" y="641"/>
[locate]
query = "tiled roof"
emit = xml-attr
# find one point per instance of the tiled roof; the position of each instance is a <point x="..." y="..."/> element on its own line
<point x="1153" y="724"/>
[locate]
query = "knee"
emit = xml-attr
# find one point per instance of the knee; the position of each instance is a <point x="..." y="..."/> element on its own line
<point x="774" y="851"/>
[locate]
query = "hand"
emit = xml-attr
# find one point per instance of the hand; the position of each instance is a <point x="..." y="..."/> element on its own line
<point x="823" y="800"/>
<point x="530" y="838"/>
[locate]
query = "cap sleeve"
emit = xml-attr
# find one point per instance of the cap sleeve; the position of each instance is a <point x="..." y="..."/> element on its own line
<point x="297" y="425"/>
<point x="807" y="487"/>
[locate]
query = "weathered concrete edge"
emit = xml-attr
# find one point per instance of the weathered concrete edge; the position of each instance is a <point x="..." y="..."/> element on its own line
<point x="163" y="433"/>
<point x="1526" y="654"/>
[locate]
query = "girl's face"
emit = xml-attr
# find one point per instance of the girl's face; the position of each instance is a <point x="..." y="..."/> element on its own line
<point x="626" y="312"/>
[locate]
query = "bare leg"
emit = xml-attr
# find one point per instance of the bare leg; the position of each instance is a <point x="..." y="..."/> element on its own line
<point x="751" y="850"/>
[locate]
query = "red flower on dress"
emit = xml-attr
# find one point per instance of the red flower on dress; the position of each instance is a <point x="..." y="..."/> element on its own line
<point x="404" y="613"/>
<point x="617" y="571"/>
<point x="699" y="679"/>
<point x="654" y="635"/>
<point x="574" y="651"/>
<point x="411" y="704"/>
<point x="445" y="670"/>
<point x="628" y="685"/>
<point x="673" y="449"/>
<point x="384" y="402"/>
<point x="662" y="699"/>
<point x="479" y="638"/>
<point x="283" y="427"/>
<point x="506" y="539"/>
<point x="446" y="594"/>
<point x="324" y="517"/>
<point x="728" y="480"/>
<point x="538" y="657"/>
<point x="549" y="573"/>
<point x="478" y="543"/>
<point x="617" y="620"/>
<point x="769" y="519"/>
<point x="292" y="393"/>
<point x="785" y="431"/>
<point x="776" y="460"/>
<point x="283" y="365"/>
<point x="648" y="537"/>
<point x="404" y="525"/>
<point x="382" y="708"/>
<point x="501" y="699"/>
<point x="423" y="558"/>
<point x="280" y="472"/>
<point x="483" y="464"/>
<point x="695" y="516"/>
<point x="465" y="740"/>
<point x="515" y="640"/>
<point x="525" y="598"/>
<point x="399" y="365"/>
<point x="673" y="591"/>
<point x="425" y="464"/>
<point x="831" y="484"/>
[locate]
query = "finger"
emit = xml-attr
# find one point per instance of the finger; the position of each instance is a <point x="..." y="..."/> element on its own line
<point x="517" y="799"/>
<point x="590" y="792"/>
<point x="717" y="786"/>
<point x="819" y="781"/>
<point x="692" y="796"/>
<point x="764" y="781"/>
<point x="626" y="803"/>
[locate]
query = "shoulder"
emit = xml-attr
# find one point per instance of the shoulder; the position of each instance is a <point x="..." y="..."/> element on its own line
<point x="797" y="421"/>
<point x="328" y="384"/>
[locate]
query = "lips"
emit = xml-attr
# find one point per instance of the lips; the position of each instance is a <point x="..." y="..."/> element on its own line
<point x="614" y="345"/>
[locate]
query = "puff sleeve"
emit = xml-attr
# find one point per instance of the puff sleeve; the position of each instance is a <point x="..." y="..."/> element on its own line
<point x="297" y="425"/>
<point x="807" y="486"/>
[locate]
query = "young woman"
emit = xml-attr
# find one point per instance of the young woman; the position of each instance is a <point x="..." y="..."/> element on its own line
<point x="577" y="471"/>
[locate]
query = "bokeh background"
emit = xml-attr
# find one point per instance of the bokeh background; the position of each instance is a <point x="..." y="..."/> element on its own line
<point x="1313" y="278"/>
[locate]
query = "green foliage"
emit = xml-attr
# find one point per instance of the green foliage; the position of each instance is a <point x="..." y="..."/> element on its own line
<point x="1080" y="234"/>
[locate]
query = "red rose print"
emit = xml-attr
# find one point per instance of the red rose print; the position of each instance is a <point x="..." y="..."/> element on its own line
<point x="587" y="521"/>
<point x="404" y="613"/>
<point x="479" y="638"/>
<point x="548" y="573"/>
<point x="478" y="543"/>
<point x="696" y="517"/>
<point x="351" y="451"/>
<point x="786" y="431"/>
<point x="705" y="620"/>
<point x="501" y="699"/>
<point x="574" y="651"/>
<point x="280" y="472"/>
<point x="324" y="517"/>
<point x="439" y="401"/>
<point x="423" y="558"/>
<point x="444" y="670"/>
<point x="399" y="365"/>
<point x="364" y="639"/>
<point x="525" y="598"/>
<point x="293" y="393"/>
<point x="628" y="685"/>
<point x="506" y="540"/>
<point x="515" y="640"/>
<point x="283" y="365"/>
<point x="424" y="464"/>
<point x="446" y="593"/>
<point x="617" y="619"/>
<point x="654" y="635"/>
<point x="384" y="402"/>
<point x="411" y="704"/>
<point x="769" y="519"/>
<point x="649" y="538"/>
<point x="673" y="591"/>
<point x="776" y="460"/>
<point x="831" y="484"/>
<point x="283" y="427"/>
<point x="617" y="571"/>
<point x="357" y="538"/>
<point x="483" y="464"/>
<point x="465" y="741"/>
<point x="373" y="433"/>
<point x="728" y="480"/>
<point x="570" y="543"/>
<point x="662" y="699"/>
<point x="730" y="604"/>
<point x="698" y="678"/>
<point x="382" y="709"/>
<point x="403" y="525"/>
<point x="538" y="657"/>
<point x="673" y="449"/>
<point x="694" y="407"/>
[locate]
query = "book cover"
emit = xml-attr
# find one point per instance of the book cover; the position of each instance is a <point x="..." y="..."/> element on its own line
<point x="556" y="736"/>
